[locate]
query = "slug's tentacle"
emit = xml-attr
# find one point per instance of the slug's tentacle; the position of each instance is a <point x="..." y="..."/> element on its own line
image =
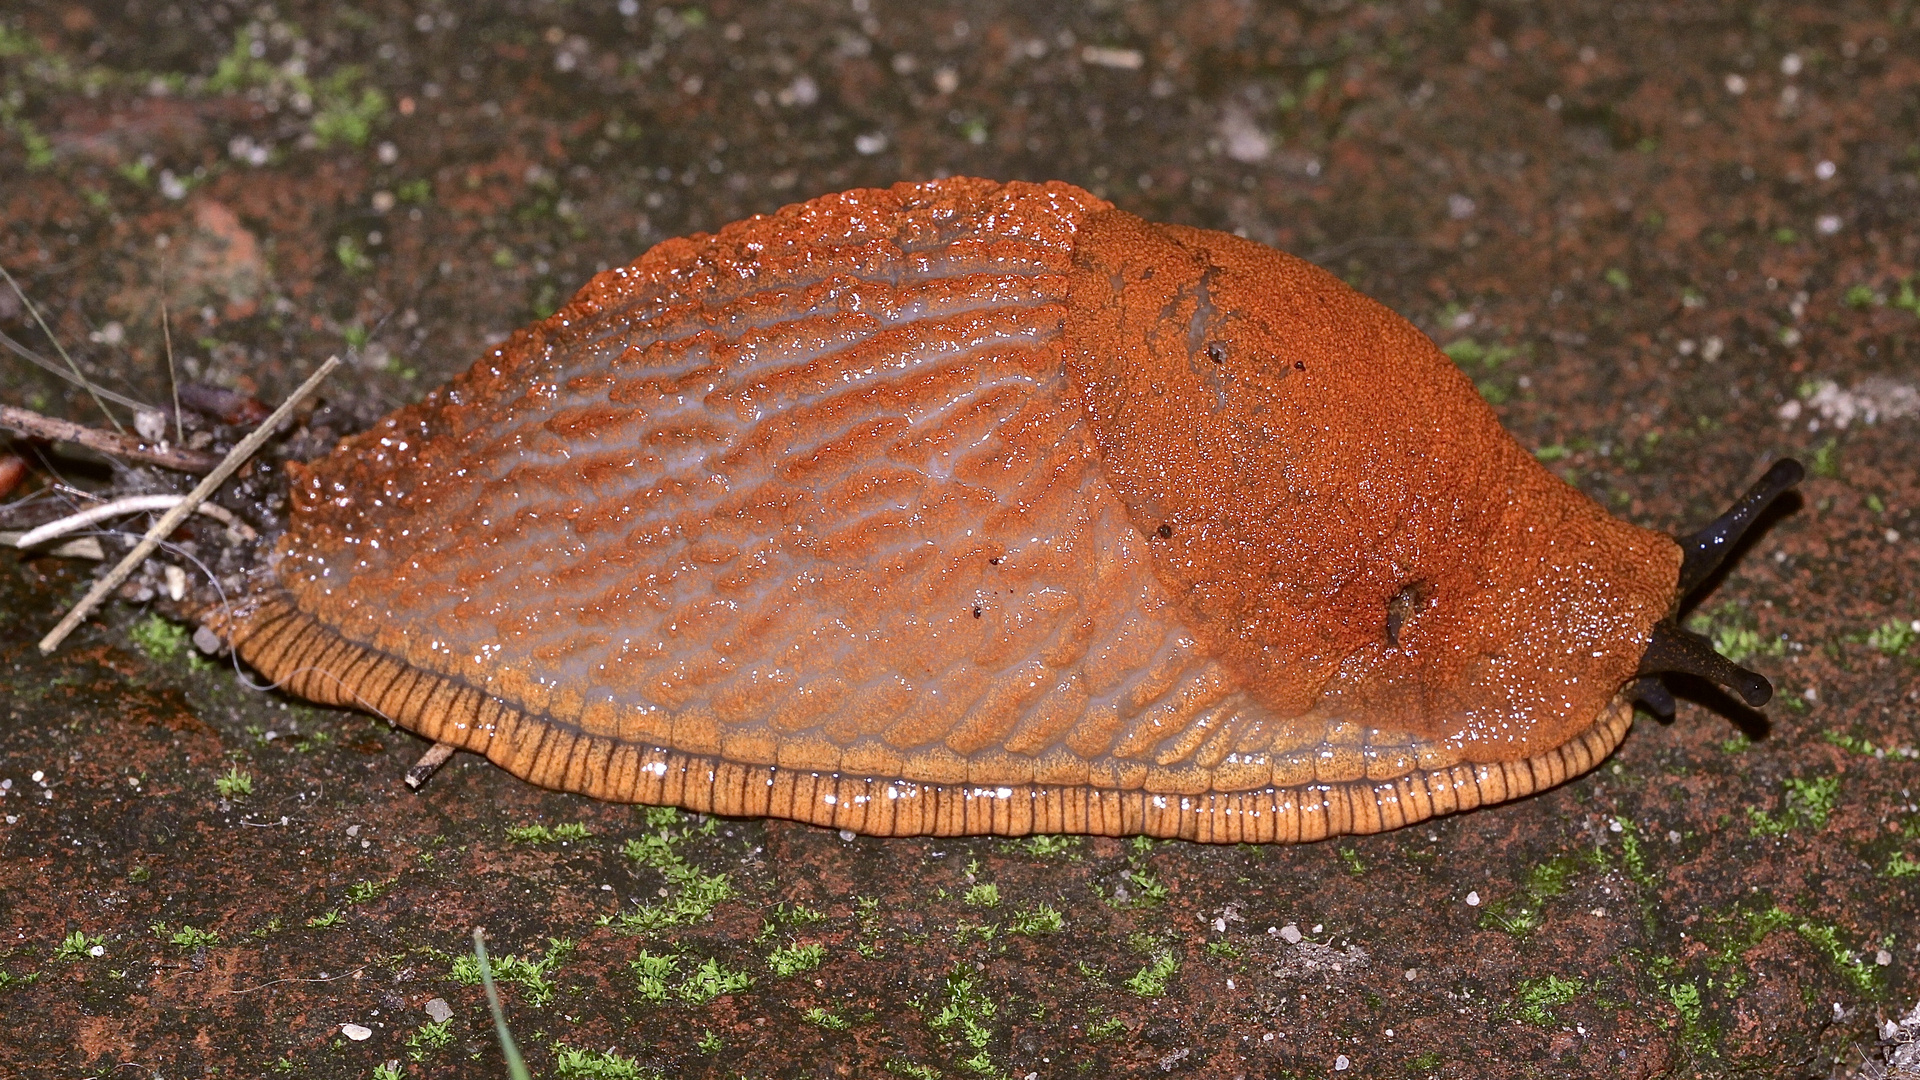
<point x="1671" y="648"/>
<point x="1704" y="551"/>
<point x="1675" y="649"/>
<point x="1648" y="690"/>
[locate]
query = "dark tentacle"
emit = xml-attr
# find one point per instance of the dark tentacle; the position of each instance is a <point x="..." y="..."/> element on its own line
<point x="1705" y="550"/>
<point x="1674" y="649"/>
<point x="1648" y="690"/>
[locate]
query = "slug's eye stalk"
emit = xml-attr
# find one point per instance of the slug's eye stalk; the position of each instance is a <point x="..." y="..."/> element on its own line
<point x="1671" y="648"/>
<point x="1705" y="550"/>
<point x="1674" y="649"/>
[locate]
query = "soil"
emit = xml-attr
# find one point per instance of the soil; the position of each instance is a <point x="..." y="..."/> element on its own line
<point x="1671" y="242"/>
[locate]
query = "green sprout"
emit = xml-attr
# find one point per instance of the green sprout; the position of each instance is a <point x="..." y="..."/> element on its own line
<point x="79" y="946"/>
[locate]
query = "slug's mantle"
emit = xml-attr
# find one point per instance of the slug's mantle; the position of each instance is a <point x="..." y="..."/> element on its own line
<point x="969" y="507"/>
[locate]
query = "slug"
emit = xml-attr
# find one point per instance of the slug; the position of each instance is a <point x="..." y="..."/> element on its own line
<point x="968" y="507"/>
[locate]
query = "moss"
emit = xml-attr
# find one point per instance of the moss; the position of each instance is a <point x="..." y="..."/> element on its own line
<point x="427" y="1038"/>
<point x="1047" y="846"/>
<point x="651" y="972"/>
<point x="1806" y="805"/>
<point x="1151" y="981"/>
<point x="692" y="894"/>
<point x="1825" y="937"/>
<point x="572" y="1064"/>
<point x="235" y="784"/>
<point x="1900" y="866"/>
<point x="1518" y="914"/>
<point x="164" y="642"/>
<point x="186" y="938"/>
<point x="363" y="891"/>
<point x="711" y="980"/>
<point x="570" y="832"/>
<point x="1892" y="637"/>
<point x="1534" y="999"/>
<point x="821" y="1018"/>
<point x="1732" y="629"/>
<point x="985" y="894"/>
<point x="1038" y="919"/>
<point x="966" y="1011"/>
<point x="531" y="975"/>
<point x="791" y="960"/>
<point x="78" y="946"/>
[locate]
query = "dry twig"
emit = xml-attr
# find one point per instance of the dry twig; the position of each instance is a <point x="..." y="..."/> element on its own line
<point x="177" y="458"/>
<point x="172" y="518"/>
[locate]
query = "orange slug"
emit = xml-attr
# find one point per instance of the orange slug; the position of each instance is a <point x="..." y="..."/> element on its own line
<point x="969" y="507"/>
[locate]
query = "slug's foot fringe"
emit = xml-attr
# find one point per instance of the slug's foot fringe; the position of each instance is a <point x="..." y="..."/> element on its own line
<point x="311" y="660"/>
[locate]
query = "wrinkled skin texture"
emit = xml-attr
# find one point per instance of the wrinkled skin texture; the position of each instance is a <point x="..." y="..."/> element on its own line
<point x="1321" y="470"/>
<point x="964" y="507"/>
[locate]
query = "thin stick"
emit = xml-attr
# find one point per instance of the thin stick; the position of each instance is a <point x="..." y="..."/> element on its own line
<point x="133" y="504"/>
<point x="429" y="763"/>
<point x="173" y="380"/>
<point x="45" y="364"/>
<point x="35" y="312"/>
<point x="176" y="458"/>
<point x="516" y="1066"/>
<point x="172" y="518"/>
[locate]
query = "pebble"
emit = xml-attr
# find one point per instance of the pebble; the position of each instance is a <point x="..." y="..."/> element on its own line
<point x="1290" y="934"/>
<point x="439" y="1010"/>
<point x="356" y="1032"/>
<point x="1473" y="898"/>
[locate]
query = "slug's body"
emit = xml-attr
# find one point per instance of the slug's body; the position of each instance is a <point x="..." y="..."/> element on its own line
<point x="964" y="507"/>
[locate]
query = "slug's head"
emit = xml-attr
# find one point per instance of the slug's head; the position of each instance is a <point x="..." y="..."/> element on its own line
<point x="1340" y="518"/>
<point x="1673" y="649"/>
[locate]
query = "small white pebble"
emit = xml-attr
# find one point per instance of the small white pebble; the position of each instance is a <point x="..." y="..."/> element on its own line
<point x="1790" y="64"/>
<point x="1883" y="958"/>
<point x="1736" y="85"/>
<point x="871" y="143"/>
<point x="1473" y="898"/>
<point x="1412" y="974"/>
<point x="439" y="1010"/>
<point x="1317" y="928"/>
<point x="1291" y="934"/>
<point x="101" y="950"/>
<point x="1230" y="981"/>
<point x="1827" y="224"/>
<point x="1341" y="1064"/>
<point x="1893" y="536"/>
<point x="1615" y="826"/>
<point x="1219" y="926"/>
<point x="38" y="776"/>
<point x="356" y="1032"/>
<point x="353" y="830"/>
<point x="1599" y="913"/>
<point x="1673" y="836"/>
<point x="847" y="835"/>
<point x="1825" y="170"/>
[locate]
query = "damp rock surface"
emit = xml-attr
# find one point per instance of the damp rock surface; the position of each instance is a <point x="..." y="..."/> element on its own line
<point x="1669" y="244"/>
